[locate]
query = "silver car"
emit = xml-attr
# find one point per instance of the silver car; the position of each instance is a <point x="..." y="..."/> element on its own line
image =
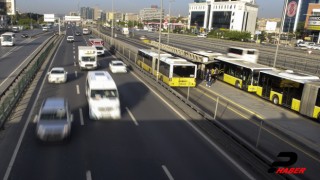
<point x="54" y="120"/>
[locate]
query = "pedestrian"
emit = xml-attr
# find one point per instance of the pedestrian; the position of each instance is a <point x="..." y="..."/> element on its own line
<point x="209" y="82"/>
<point x="207" y="75"/>
<point x="215" y="74"/>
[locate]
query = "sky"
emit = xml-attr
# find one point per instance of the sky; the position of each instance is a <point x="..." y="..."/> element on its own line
<point x="267" y="8"/>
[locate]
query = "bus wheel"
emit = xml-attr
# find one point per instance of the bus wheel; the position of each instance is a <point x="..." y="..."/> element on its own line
<point x="318" y="119"/>
<point x="237" y="85"/>
<point x="275" y="99"/>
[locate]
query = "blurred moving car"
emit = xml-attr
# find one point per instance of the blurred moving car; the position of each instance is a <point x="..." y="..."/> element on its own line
<point x="306" y="44"/>
<point x="100" y="49"/>
<point x="70" y="39"/>
<point x="143" y="37"/>
<point x="202" y="35"/>
<point x="317" y="47"/>
<point x="54" y="120"/>
<point x="77" y="33"/>
<point x="57" y="75"/>
<point x="117" y="66"/>
<point x="24" y="35"/>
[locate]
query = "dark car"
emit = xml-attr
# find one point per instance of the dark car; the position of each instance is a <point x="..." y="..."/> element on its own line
<point x="24" y="35"/>
<point x="77" y="33"/>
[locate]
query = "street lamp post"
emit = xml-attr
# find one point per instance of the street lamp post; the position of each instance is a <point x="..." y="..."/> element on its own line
<point x="288" y="30"/>
<point x="280" y="30"/>
<point x="112" y="25"/>
<point x="169" y="20"/>
<point x="159" y="42"/>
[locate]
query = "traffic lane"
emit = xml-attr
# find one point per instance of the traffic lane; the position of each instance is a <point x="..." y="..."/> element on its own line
<point x="171" y="139"/>
<point x="14" y="60"/>
<point x="108" y="149"/>
<point x="48" y="155"/>
<point x="247" y="126"/>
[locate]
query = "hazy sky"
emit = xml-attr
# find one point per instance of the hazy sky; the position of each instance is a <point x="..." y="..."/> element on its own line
<point x="267" y="8"/>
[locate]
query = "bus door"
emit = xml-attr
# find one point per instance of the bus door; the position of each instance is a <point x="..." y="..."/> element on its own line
<point x="290" y="90"/>
<point x="221" y="69"/>
<point x="266" y="86"/>
<point x="246" y="78"/>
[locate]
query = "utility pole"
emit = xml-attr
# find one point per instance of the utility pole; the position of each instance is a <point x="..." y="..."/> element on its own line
<point x="280" y="30"/>
<point x="158" y="65"/>
<point x="112" y="25"/>
<point x="169" y="20"/>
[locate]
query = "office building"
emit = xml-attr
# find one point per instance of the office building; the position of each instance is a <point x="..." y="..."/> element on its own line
<point x="239" y="15"/>
<point x="296" y="13"/>
<point x="86" y="13"/>
<point x="7" y="7"/>
<point x="147" y="14"/>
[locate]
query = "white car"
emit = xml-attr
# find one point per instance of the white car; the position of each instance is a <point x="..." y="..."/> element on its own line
<point x="317" y="47"/>
<point x="117" y="66"/>
<point x="202" y="35"/>
<point x="70" y="39"/>
<point x="100" y="49"/>
<point x="306" y="44"/>
<point x="57" y="75"/>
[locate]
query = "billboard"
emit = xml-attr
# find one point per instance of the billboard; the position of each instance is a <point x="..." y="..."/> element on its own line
<point x="314" y="23"/>
<point x="271" y="26"/>
<point x="48" y="17"/>
<point x="72" y="18"/>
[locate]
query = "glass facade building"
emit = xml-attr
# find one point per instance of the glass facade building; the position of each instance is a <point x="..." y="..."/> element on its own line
<point x="291" y="23"/>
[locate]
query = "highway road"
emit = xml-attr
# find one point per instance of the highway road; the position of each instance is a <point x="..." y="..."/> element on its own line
<point x="152" y="140"/>
<point x="14" y="58"/>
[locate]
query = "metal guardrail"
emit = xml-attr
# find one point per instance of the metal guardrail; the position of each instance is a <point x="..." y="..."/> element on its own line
<point x="10" y="97"/>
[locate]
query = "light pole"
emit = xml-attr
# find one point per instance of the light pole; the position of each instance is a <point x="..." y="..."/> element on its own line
<point x="280" y="31"/>
<point x="288" y="30"/>
<point x="159" y="42"/>
<point x="169" y="20"/>
<point x="112" y="25"/>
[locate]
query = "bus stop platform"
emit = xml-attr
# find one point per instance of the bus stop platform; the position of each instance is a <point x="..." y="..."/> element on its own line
<point x="295" y="127"/>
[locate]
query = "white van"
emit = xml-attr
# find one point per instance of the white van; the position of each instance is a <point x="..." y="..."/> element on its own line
<point x="102" y="95"/>
<point x="87" y="57"/>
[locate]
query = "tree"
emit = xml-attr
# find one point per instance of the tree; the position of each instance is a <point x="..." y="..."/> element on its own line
<point x="300" y="30"/>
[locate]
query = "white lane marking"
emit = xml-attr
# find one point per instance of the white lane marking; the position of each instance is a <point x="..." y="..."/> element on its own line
<point x="78" y="89"/>
<point x="15" y="152"/>
<point x="200" y="133"/>
<point x="132" y="117"/>
<point x="165" y="169"/>
<point x="81" y="116"/>
<point x="88" y="175"/>
<point x="74" y="57"/>
<point x="71" y="117"/>
<point x="74" y="52"/>
<point x="74" y="63"/>
<point x="35" y="118"/>
<point x="76" y="73"/>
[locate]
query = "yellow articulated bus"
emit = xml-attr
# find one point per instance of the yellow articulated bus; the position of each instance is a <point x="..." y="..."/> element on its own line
<point x="240" y="73"/>
<point x="297" y="91"/>
<point x="174" y="71"/>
